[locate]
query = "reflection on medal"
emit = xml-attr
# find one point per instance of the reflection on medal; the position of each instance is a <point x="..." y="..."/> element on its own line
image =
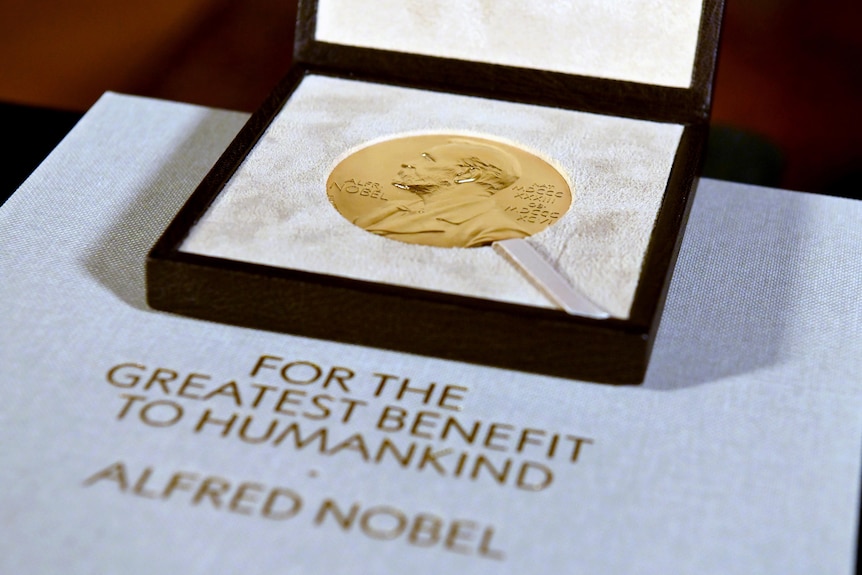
<point x="448" y="191"/>
<point x="460" y="192"/>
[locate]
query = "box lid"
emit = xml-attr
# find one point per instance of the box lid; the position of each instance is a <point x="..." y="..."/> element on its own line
<point x="641" y="58"/>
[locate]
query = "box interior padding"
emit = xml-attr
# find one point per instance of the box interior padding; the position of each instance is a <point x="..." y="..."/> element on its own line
<point x="644" y="41"/>
<point x="274" y="210"/>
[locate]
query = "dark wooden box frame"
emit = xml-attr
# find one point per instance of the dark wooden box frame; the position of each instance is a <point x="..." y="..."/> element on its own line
<point x="430" y="323"/>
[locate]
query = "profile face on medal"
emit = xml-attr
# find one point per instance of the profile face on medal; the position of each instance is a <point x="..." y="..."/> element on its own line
<point x="448" y="190"/>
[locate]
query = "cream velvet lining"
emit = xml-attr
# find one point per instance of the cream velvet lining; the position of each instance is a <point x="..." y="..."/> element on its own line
<point x="274" y="210"/>
<point x="646" y="41"/>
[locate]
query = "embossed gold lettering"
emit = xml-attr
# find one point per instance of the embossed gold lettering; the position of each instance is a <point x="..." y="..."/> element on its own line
<point x="423" y="529"/>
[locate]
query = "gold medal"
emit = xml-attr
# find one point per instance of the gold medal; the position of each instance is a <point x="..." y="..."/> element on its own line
<point x="448" y="190"/>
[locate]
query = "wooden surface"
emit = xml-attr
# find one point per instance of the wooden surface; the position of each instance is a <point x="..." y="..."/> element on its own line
<point x="789" y="77"/>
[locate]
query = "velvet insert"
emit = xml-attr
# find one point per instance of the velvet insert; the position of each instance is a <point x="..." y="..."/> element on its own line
<point x="650" y="42"/>
<point x="274" y="210"/>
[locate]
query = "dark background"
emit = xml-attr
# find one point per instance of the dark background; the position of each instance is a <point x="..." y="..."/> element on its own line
<point x="784" y="112"/>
